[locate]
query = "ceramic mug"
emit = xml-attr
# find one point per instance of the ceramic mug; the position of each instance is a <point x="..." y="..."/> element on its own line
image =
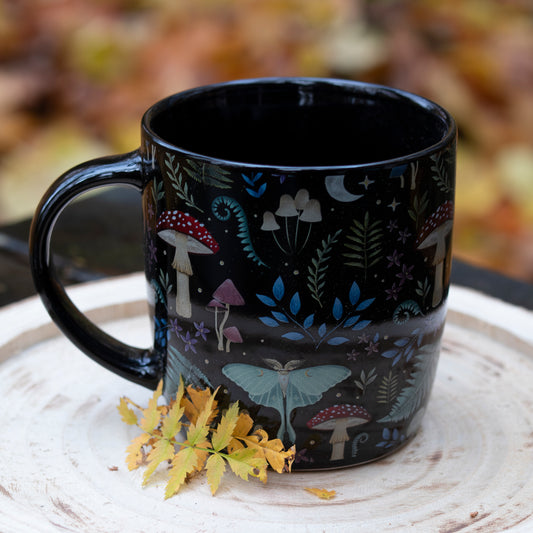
<point x="297" y="240"/>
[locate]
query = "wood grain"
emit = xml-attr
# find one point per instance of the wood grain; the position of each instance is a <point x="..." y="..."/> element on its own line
<point x="62" y="443"/>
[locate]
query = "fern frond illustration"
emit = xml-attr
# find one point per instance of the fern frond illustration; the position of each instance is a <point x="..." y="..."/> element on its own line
<point x="319" y="266"/>
<point x="419" y="385"/>
<point x="364" y="243"/>
<point x="208" y="174"/>
<point x="388" y="389"/>
<point x="440" y="173"/>
<point x="223" y="207"/>
<point x="179" y="185"/>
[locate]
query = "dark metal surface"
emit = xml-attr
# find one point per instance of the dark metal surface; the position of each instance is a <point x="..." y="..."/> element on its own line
<point x="99" y="236"/>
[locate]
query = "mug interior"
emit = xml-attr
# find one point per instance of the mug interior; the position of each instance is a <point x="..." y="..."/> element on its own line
<point x="299" y="123"/>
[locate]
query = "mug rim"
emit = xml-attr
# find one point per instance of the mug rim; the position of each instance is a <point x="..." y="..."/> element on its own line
<point x="370" y="89"/>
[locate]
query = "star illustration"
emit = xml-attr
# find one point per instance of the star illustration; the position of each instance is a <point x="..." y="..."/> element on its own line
<point x="394" y="204"/>
<point x="366" y="182"/>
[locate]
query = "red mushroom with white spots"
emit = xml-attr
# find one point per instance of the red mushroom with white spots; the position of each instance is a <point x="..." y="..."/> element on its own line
<point x="434" y="233"/>
<point x="187" y="236"/>
<point x="338" y="419"/>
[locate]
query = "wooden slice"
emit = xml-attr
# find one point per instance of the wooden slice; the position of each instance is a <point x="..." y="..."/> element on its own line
<point x="63" y="444"/>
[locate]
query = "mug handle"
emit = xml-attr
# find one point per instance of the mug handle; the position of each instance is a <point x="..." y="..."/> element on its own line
<point x="135" y="364"/>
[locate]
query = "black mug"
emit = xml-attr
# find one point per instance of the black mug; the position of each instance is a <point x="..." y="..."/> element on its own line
<point x="297" y="237"/>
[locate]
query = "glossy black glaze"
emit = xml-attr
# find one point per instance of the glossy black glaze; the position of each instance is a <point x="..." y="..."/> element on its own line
<point x="138" y="365"/>
<point x="306" y="274"/>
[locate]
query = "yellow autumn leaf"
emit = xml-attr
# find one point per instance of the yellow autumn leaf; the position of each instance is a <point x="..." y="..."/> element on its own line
<point x="151" y="414"/>
<point x="223" y="433"/>
<point x="323" y="494"/>
<point x="184" y="463"/>
<point x="244" y="425"/>
<point x="246" y="463"/>
<point x="215" y="468"/>
<point x="162" y="450"/>
<point x="200" y="428"/>
<point x="195" y="403"/>
<point x="128" y="415"/>
<point x="134" y="455"/>
<point x="172" y="422"/>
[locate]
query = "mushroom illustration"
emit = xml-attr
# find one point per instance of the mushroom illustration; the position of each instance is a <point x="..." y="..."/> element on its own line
<point x="337" y="419"/>
<point x="311" y="212"/>
<point x="301" y="199"/>
<point x="269" y="222"/>
<point x="287" y="207"/>
<point x="232" y="334"/>
<point x="188" y="236"/>
<point x="434" y="232"/>
<point x="228" y="295"/>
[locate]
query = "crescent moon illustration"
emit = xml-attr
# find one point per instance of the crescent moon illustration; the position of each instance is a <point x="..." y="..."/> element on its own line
<point x="337" y="190"/>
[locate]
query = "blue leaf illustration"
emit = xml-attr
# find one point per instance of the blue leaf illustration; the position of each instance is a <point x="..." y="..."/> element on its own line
<point x="337" y="309"/>
<point x="247" y="180"/>
<point x="267" y="321"/>
<point x="389" y="353"/>
<point x="364" y="304"/>
<point x="401" y="342"/>
<point x="351" y="321"/>
<point x="308" y="322"/>
<point x="253" y="193"/>
<point x="280" y="316"/>
<point x="295" y="304"/>
<point x="355" y="293"/>
<point x="322" y="330"/>
<point x="266" y="300"/>
<point x="336" y="341"/>
<point x="293" y="336"/>
<point x="261" y="189"/>
<point x="278" y="289"/>
<point x="361" y="325"/>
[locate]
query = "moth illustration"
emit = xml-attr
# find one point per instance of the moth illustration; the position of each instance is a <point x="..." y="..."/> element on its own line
<point x="285" y="388"/>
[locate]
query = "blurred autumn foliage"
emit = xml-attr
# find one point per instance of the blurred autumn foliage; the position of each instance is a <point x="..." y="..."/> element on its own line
<point x="76" y="76"/>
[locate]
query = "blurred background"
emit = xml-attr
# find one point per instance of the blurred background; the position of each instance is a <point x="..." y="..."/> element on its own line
<point x="76" y="76"/>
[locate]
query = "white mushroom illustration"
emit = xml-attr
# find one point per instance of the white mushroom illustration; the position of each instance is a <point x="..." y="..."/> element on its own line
<point x="188" y="236"/>
<point x="338" y="419"/>
<point x="227" y="295"/>
<point x="434" y="232"/>
<point x="301" y="208"/>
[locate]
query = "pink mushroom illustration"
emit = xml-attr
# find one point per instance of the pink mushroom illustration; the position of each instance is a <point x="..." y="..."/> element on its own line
<point x="338" y="419"/>
<point x="227" y="295"/>
<point x="434" y="232"/>
<point x="188" y="236"/>
<point x="232" y="334"/>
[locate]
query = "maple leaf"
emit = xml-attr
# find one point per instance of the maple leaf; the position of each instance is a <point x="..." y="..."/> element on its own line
<point x="215" y="467"/>
<point x="245" y="462"/>
<point x="128" y="415"/>
<point x="224" y="431"/>
<point x="206" y="446"/>
<point x="171" y="424"/>
<point x="162" y="450"/>
<point x="151" y="414"/>
<point x="199" y="429"/>
<point x="183" y="464"/>
<point x="196" y="402"/>
<point x="134" y="455"/>
<point x="323" y="494"/>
